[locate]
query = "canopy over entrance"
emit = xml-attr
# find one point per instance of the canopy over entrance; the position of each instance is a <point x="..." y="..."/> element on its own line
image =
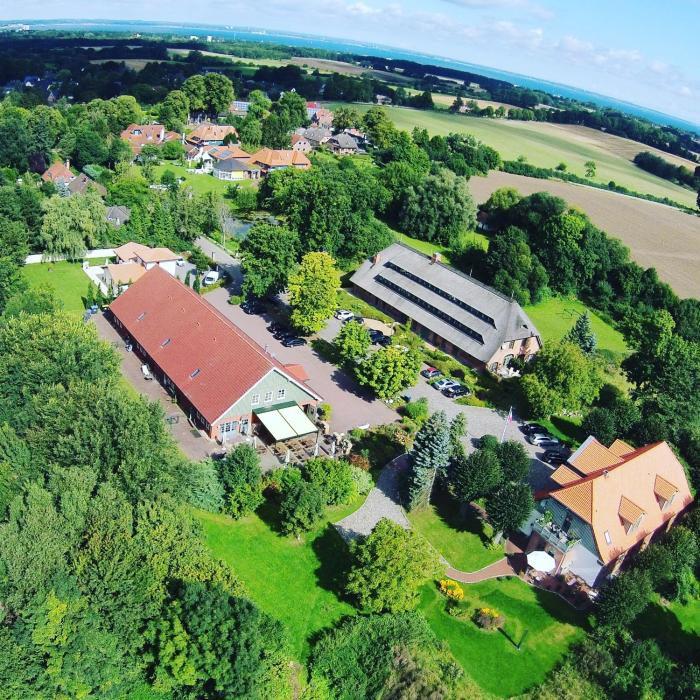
<point x="285" y="421"/>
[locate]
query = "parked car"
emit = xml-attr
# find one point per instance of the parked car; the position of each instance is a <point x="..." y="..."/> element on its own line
<point x="358" y="319"/>
<point x="530" y="428"/>
<point x="430" y="372"/>
<point x="344" y="315"/>
<point x="212" y="277"/>
<point x="383" y="341"/>
<point x="545" y="441"/>
<point x="251" y="306"/>
<point x="293" y="342"/>
<point x="283" y="333"/>
<point x="534" y="438"/>
<point x="555" y="458"/>
<point x="276" y="327"/>
<point x="180" y="262"/>
<point x="456" y="392"/>
<point x="557" y="451"/>
<point x="444" y="383"/>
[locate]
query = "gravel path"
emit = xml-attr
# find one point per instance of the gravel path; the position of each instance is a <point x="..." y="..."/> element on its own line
<point x="382" y="502"/>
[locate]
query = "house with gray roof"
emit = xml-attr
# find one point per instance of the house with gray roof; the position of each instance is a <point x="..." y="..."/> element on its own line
<point x="234" y="169"/>
<point x="450" y="310"/>
<point x="343" y="144"/>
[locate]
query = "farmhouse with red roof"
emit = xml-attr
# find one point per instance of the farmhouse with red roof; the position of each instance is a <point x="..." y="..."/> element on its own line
<point x="224" y="381"/>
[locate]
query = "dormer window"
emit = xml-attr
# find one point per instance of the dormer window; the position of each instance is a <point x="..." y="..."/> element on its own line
<point x="664" y="491"/>
<point x="630" y="514"/>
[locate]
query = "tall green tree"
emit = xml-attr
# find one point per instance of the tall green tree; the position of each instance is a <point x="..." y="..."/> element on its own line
<point x="475" y="475"/>
<point x="508" y="507"/>
<point x="389" y="371"/>
<point x="241" y="477"/>
<point x="352" y="342"/>
<point x="581" y="334"/>
<point x="301" y="508"/>
<point x="312" y="292"/>
<point x="269" y="254"/>
<point x="388" y="567"/>
<point x="429" y="456"/>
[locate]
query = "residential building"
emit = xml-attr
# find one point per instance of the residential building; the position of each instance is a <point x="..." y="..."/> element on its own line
<point x="606" y="504"/>
<point x="208" y="134"/>
<point x="343" y="145"/>
<point x="450" y="310"/>
<point x="199" y="157"/>
<point x="223" y="380"/>
<point x="118" y="215"/>
<point x="316" y="135"/>
<point x="147" y="257"/>
<point x="140" y="135"/>
<point x="81" y="182"/>
<point x="239" y="106"/>
<point x="118" y="278"/>
<point x="226" y="152"/>
<point x="268" y="160"/>
<point x="301" y="144"/>
<point x="323" y="117"/>
<point x="235" y="169"/>
<point x="58" y="173"/>
<point x="67" y="182"/>
<point x="312" y="108"/>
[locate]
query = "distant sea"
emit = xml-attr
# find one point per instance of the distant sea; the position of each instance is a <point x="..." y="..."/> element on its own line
<point x="347" y="46"/>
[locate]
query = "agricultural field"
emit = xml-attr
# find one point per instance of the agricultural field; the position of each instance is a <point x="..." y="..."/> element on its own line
<point x="657" y="236"/>
<point x="544" y="145"/>
<point x="274" y="63"/>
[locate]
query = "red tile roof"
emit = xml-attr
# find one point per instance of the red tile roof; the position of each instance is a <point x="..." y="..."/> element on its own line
<point x="58" y="171"/>
<point x="211" y="361"/>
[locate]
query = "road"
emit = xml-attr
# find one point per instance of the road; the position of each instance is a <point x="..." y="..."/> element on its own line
<point x="226" y="262"/>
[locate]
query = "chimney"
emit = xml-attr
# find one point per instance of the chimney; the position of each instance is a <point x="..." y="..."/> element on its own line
<point x="435" y="258"/>
<point x="375" y="259"/>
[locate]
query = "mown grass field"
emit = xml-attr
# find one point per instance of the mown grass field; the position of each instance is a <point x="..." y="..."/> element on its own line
<point x="477" y="239"/>
<point x="461" y="539"/>
<point x="541" y="621"/>
<point x="555" y="317"/>
<point x="200" y="184"/>
<point x="67" y="280"/>
<point x="542" y="144"/>
<point x="294" y="581"/>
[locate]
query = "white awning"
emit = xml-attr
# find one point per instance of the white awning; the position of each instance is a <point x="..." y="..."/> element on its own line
<point x="541" y="561"/>
<point x="298" y="420"/>
<point x="277" y="425"/>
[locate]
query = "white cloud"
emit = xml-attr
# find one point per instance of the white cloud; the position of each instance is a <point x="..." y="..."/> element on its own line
<point x="526" y="6"/>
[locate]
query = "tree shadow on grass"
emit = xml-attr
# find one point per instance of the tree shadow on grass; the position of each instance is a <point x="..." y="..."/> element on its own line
<point x="661" y="624"/>
<point x="459" y="517"/>
<point x="268" y="512"/>
<point x="334" y="557"/>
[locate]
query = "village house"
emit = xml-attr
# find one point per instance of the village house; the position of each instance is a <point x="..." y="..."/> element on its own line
<point x="226" y="383"/>
<point x="118" y="215"/>
<point x="316" y="135"/>
<point x="450" y="310"/>
<point x="605" y="504"/>
<point x="140" y="135"/>
<point x="301" y="144"/>
<point x="268" y="160"/>
<point x="342" y="145"/>
<point x="208" y="134"/>
<point x="147" y="257"/>
<point x="68" y="183"/>
<point x="312" y="108"/>
<point x="120" y="277"/>
<point x="235" y="169"/>
<point x="323" y="118"/>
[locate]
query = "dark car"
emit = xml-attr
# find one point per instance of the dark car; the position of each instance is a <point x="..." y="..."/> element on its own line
<point x="276" y="327"/>
<point x="283" y="334"/>
<point x="251" y="307"/>
<point x="378" y="338"/>
<point x="554" y="458"/>
<point x="531" y="428"/>
<point x="455" y="392"/>
<point x="384" y="340"/>
<point x="293" y="342"/>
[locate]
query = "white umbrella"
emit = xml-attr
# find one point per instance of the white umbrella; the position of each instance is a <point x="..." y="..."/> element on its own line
<point x="541" y="561"/>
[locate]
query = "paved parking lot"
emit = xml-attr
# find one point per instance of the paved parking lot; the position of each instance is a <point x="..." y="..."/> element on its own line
<point x="352" y="405"/>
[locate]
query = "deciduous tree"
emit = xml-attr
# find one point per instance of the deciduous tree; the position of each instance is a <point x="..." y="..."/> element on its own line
<point x="269" y="254"/>
<point x="389" y="371"/>
<point x="508" y="507"/>
<point x="312" y="292"/>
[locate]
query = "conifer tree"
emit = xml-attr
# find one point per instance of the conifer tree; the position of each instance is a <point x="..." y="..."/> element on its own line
<point x="429" y="457"/>
<point x="582" y="334"/>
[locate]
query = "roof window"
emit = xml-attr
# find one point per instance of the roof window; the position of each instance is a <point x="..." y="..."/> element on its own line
<point x="608" y="539"/>
<point x="141" y="316"/>
<point x="167" y="341"/>
<point x="195" y="373"/>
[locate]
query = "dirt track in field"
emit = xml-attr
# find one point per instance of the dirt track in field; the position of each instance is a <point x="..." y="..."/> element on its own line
<point x="657" y="236"/>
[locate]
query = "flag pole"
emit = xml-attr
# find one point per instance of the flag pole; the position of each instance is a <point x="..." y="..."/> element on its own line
<point x="509" y="418"/>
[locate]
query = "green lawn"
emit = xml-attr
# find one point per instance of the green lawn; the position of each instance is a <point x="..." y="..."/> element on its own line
<point x="555" y="317"/>
<point x="473" y="237"/>
<point x="542" y="145"/>
<point x="461" y="539"/>
<point x="675" y="627"/>
<point x="491" y="658"/>
<point x="67" y="279"/>
<point x="200" y="184"/>
<point x="292" y="581"/>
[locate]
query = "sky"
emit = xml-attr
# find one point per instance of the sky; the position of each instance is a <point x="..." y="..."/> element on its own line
<point x="640" y="51"/>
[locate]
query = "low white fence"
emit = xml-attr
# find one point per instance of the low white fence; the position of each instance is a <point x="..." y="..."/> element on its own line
<point x="90" y="254"/>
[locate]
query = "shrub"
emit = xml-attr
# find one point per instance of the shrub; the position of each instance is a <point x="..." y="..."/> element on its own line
<point x="235" y="299"/>
<point x="451" y="590"/>
<point x="202" y="485"/>
<point x="242" y="480"/>
<point x="301" y="507"/>
<point x="488" y="618"/>
<point x="360" y="461"/>
<point x="332" y="477"/>
<point x="417" y="411"/>
<point x="326" y="411"/>
<point x="362" y="480"/>
<point x="280" y="480"/>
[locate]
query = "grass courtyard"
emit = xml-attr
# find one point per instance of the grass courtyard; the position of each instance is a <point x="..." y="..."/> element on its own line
<point x="541" y="621"/>
<point x="554" y="318"/>
<point x="460" y="538"/>
<point x="200" y="184"/>
<point x="67" y="280"/>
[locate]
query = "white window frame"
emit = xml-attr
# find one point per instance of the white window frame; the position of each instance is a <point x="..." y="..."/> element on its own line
<point x="254" y="399"/>
<point x="281" y="394"/>
<point x="268" y="397"/>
